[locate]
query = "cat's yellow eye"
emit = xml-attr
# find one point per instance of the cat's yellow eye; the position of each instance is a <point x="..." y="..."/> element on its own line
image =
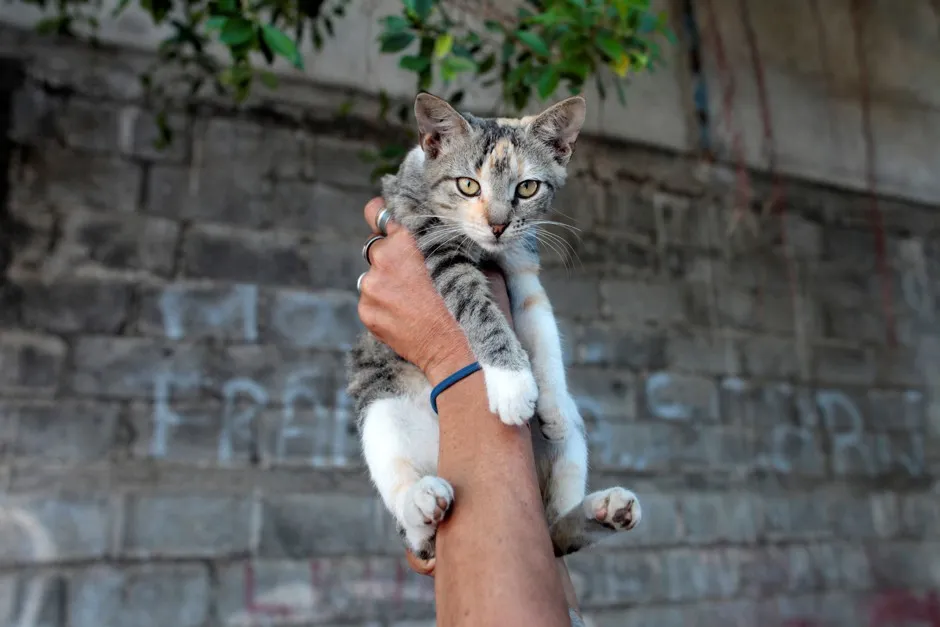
<point x="527" y="189"/>
<point x="467" y="186"/>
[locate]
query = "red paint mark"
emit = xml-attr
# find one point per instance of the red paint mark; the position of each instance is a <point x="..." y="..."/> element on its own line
<point x="875" y="217"/>
<point x="252" y="606"/>
<point x="902" y="607"/>
<point x="728" y="89"/>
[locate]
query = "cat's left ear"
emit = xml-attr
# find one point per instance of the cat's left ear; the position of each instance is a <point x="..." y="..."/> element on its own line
<point x="559" y="125"/>
<point x="438" y="123"/>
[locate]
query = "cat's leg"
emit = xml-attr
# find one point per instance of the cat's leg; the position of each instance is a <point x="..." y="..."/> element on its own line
<point x="400" y="443"/>
<point x="538" y="332"/>
<point x="600" y="515"/>
<point x="510" y="385"/>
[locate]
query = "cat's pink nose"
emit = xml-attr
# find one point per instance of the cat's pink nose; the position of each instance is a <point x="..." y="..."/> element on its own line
<point x="498" y="229"/>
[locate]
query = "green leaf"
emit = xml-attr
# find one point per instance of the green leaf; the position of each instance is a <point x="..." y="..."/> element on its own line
<point x="459" y="64"/>
<point x="237" y="30"/>
<point x="609" y="46"/>
<point x="396" y="23"/>
<point x="215" y="23"/>
<point x="534" y="42"/>
<point x="422" y="8"/>
<point x="396" y="42"/>
<point x="227" y="6"/>
<point x="443" y="45"/>
<point x="548" y="82"/>
<point x="282" y="44"/>
<point x="413" y="63"/>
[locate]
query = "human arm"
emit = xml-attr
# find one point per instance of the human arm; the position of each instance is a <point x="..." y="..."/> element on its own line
<point x="495" y="564"/>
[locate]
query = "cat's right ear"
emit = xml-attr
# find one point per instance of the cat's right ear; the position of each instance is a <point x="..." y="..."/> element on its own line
<point x="438" y="122"/>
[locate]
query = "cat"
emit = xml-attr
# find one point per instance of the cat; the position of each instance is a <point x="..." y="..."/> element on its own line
<point x="474" y="191"/>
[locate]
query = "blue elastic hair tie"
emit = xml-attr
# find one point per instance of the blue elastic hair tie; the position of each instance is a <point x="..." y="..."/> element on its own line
<point x="463" y="373"/>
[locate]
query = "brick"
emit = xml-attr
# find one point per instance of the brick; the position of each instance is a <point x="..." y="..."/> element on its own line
<point x="349" y="590"/>
<point x="148" y="596"/>
<point x="270" y="258"/>
<point x="140" y="133"/>
<point x="603" y="579"/>
<point x="920" y="515"/>
<point x="630" y="208"/>
<point x="904" y="565"/>
<point x="574" y="297"/>
<point x="795" y="516"/>
<point x="888" y="410"/>
<point x="269" y="152"/>
<point x="804" y="238"/>
<point x="325" y="320"/>
<point x="301" y="526"/>
<point x="771" y="358"/>
<point x="607" y="345"/>
<point x="337" y="161"/>
<point x="130" y="243"/>
<point x="640" y="303"/>
<point x="62" y="431"/>
<point x="603" y="395"/>
<point x="227" y="195"/>
<point x="159" y="526"/>
<point x="712" y="518"/>
<point x="581" y="200"/>
<point x="318" y="436"/>
<point x="39" y="529"/>
<point x="72" y="306"/>
<point x="87" y="125"/>
<point x="190" y="432"/>
<point x="118" y="367"/>
<point x="638" y="617"/>
<point x="710" y="355"/>
<point x="701" y="574"/>
<point x="69" y="181"/>
<point x="260" y="257"/>
<point x="199" y="310"/>
<point x="331" y="210"/>
<point x="671" y="396"/>
<point x="30" y="364"/>
<point x="724" y="306"/>
<point x="662" y="524"/>
<point x="843" y="365"/>
<point x="20" y="605"/>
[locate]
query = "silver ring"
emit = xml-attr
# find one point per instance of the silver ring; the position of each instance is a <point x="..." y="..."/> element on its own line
<point x="368" y="244"/>
<point x="359" y="282"/>
<point x="381" y="222"/>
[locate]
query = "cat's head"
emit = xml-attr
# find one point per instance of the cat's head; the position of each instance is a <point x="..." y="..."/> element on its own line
<point x="490" y="179"/>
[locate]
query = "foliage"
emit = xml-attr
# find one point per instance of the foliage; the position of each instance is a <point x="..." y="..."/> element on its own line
<point x="528" y="53"/>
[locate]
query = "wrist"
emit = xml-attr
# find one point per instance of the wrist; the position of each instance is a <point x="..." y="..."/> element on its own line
<point x="448" y="363"/>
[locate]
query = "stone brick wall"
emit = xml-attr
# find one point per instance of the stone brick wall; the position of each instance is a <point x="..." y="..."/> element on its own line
<point x="176" y="448"/>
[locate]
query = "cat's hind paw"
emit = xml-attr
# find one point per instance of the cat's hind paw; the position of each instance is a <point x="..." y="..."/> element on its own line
<point x="428" y="502"/>
<point x="511" y="393"/>
<point x="616" y="508"/>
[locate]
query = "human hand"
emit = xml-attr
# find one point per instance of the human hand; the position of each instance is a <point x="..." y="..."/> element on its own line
<point x="400" y="305"/>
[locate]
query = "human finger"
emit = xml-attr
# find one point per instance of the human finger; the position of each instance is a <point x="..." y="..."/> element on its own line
<point x="373" y="211"/>
<point x="422" y="567"/>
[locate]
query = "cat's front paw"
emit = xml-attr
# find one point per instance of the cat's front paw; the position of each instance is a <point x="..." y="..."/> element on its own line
<point x="558" y="413"/>
<point x="617" y="508"/>
<point x="511" y="393"/>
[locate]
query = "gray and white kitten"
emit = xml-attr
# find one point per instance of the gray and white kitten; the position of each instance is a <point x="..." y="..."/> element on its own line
<point x="473" y="192"/>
